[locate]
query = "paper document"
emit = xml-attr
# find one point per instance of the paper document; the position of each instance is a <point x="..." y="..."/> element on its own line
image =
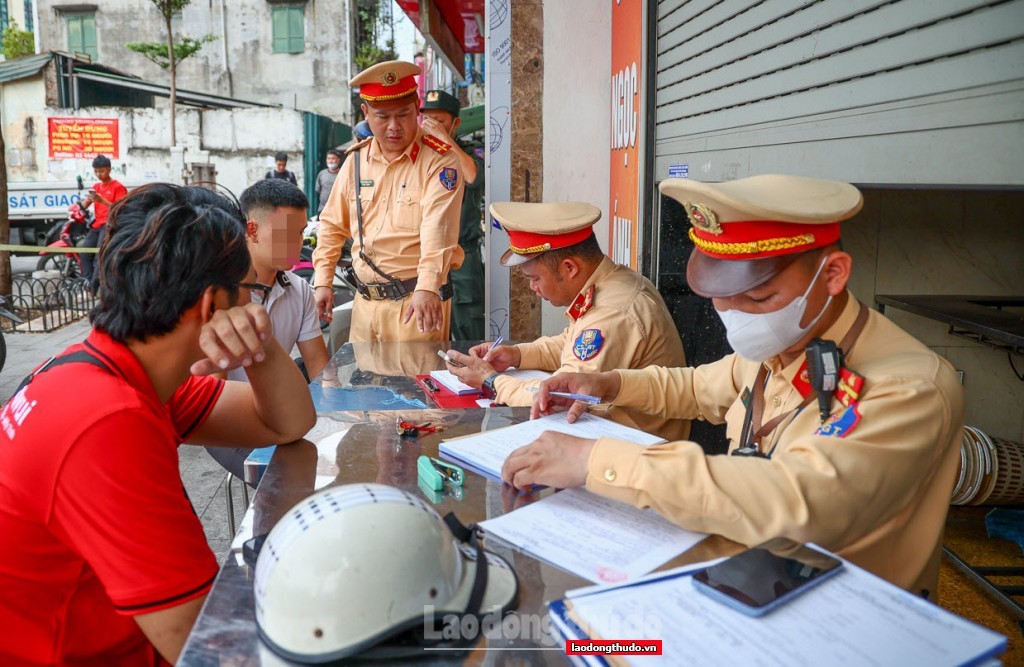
<point x="526" y="374"/>
<point x="487" y="451"/>
<point x="452" y="383"/>
<point x="854" y="618"/>
<point x="596" y="538"/>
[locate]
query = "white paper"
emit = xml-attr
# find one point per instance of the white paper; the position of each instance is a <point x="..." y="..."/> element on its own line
<point x="526" y="374"/>
<point x="854" y="618"/>
<point x="597" y="538"/>
<point x="452" y="383"/>
<point x="488" y="450"/>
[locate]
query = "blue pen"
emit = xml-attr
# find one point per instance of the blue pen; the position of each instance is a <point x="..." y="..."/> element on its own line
<point x="593" y="400"/>
<point x="496" y="344"/>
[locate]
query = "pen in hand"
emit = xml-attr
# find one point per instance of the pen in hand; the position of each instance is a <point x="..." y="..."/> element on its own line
<point x="593" y="400"/>
<point x="491" y="348"/>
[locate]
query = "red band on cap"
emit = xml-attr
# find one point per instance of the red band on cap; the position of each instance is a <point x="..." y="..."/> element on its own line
<point x="378" y="92"/>
<point x="755" y="239"/>
<point x="528" y="243"/>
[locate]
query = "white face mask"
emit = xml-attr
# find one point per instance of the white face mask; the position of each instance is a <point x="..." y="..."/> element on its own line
<point x="761" y="336"/>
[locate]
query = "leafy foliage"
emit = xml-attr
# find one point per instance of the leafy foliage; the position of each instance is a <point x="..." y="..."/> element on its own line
<point x="157" y="52"/>
<point x="16" y="42"/>
<point x="375" y="33"/>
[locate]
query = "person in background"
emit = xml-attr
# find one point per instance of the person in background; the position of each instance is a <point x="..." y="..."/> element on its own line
<point x="275" y="214"/>
<point x="441" y="119"/>
<point x="105" y="561"/>
<point x="325" y="179"/>
<point x="404" y="222"/>
<point x="280" y="169"/>
<point x="103" y="195"/>
<point x="859" y="457"/>
<point x="617" y="318"/>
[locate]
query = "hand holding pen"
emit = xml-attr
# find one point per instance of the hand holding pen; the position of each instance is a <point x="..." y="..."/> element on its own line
<point x="501" y="357"/>
<point x="575" y="392"/>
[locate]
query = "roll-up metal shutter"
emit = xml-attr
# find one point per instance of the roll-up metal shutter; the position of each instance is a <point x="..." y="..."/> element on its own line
<point x="899" y="92"/>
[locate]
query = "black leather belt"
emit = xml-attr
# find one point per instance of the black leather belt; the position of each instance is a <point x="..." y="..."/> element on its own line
<point x="395" y="290"/>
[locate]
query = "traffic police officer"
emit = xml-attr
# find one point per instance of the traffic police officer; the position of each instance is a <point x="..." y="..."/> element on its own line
<point x="617" y="319"/>
<point x="441" y="119"/>
<point x="398" y="197"/>
<point x="856" y="453"/>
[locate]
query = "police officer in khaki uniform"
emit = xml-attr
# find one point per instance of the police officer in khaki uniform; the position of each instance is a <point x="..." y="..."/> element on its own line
<point x="617" y="319"/>
<point x="398" y="197"/>
<point x="865" y="470"/>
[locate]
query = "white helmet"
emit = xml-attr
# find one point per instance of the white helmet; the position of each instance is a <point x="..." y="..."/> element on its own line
<point x="361" y="568"/>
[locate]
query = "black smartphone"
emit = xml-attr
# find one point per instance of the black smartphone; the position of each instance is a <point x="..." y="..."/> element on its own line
<point x="760" y="580"/>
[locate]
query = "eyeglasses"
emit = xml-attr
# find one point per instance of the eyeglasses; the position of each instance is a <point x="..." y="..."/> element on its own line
<point x="265" y="289"/>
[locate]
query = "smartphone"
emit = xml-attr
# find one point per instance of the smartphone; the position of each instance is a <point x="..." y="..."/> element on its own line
<point x="762" y="579"/>
<point x="449" y="360"/>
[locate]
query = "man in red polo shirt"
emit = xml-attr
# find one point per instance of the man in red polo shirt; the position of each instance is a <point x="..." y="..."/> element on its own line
<point x="103" y="194"/>
<point x="104" y="561"/>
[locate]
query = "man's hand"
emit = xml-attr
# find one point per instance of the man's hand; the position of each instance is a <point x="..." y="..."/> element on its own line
<point x="100" y="198"/>
<point x="233" y="338"/>
<point x="434" y="127"/>
<point x="473" y="370"/>
<point x="426" y="308"/>
<point x="325" y="303"/>
<point x="501" y="358"/>
<point x="554" y="459"/>
<point x="603" y="385"/>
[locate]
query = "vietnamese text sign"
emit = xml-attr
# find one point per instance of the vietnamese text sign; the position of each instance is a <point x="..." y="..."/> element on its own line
<point x="83" y="137"/>
<point x="626" y="130"/>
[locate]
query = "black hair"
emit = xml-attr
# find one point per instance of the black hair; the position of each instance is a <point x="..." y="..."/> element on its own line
<point x="588" y="250"/>
<point x="336" y="153"/>
<point x="281" y="157"/>
<point x="270" y="193"/>
<point x="100" y="161"/>
<point x="165" y="245"/>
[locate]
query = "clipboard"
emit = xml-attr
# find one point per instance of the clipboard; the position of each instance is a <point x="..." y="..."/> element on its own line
<point x="446" y="398"/>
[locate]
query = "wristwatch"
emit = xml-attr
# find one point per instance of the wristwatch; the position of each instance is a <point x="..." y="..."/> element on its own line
<point x="488" y="386"/>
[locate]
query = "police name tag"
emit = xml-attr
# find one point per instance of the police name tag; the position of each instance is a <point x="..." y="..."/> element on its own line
<point x="366" y="183"/>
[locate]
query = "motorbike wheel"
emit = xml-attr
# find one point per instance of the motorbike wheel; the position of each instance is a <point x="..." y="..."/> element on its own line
<point x="59" y="262"/>
<point x="3" y="351"/>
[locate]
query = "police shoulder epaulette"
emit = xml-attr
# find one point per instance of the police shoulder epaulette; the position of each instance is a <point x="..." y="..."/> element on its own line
<point x="435" y="143"/>
<point x="359" y="144"/>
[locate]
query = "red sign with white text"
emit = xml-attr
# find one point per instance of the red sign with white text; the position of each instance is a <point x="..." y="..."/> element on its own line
<point x="626" y="130"/>
<point x="83" y="137"/>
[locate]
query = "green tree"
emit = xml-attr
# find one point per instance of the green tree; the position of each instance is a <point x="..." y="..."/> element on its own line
<point x="169" y="54"/>
<point x="375" y="33"/>
<point x="16" y="42"/>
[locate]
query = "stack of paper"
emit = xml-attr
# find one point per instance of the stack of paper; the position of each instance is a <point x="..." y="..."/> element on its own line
<point x="452" y="383"/>
<point x="854" y="618"/>
<point x="487" y="451"/>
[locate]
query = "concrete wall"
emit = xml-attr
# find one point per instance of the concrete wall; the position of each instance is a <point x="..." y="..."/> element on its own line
<point x="240" y="143"/>
<point x="240" y="63"/>
<point x="577" y="114"/>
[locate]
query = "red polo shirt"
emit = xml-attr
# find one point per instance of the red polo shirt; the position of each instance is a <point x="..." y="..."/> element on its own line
<point x="95" y="526"/>
<point x="112" y="192"/>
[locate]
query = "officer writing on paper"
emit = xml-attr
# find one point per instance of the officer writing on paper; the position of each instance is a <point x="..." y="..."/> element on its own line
<point x="398" y="197"/>
<point x="617" y="318"/>
<point x="857" y="455"/>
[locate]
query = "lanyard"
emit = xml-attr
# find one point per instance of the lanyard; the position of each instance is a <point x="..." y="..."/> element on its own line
<point x="753" y="430"/>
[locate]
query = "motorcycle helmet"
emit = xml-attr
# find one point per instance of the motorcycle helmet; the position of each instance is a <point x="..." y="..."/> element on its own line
<point x="373" y="571"/>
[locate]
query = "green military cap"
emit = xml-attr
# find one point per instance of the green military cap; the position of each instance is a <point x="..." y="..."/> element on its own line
<point x="438" y="99"/>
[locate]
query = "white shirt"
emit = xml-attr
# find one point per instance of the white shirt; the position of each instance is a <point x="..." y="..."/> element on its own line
<point x="292" y="311"/>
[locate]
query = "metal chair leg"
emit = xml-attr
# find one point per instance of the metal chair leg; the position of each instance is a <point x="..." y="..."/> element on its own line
<point x="229" y="494"/>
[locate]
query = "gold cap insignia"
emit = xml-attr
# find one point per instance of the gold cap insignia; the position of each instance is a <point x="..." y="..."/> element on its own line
<point x="432" y="96"/>
<point x="703" y="218"/>
<point x="389" y="78"/>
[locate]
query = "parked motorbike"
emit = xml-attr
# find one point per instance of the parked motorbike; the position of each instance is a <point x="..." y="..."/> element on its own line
<point x="344" y="293"/>
<point x="12" y="317"/>
<point x="66" y="234"/>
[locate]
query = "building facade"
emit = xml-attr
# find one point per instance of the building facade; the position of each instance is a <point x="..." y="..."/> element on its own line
<point x="294" y="54"/>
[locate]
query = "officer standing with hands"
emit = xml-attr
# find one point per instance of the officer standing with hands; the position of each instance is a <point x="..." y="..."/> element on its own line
<point x="863" y="464"/>
<point x="398" y="197"/>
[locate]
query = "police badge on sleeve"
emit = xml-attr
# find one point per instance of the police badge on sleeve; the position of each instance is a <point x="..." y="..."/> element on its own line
<point x="840" y="424"/>
<point x="588" y="344"/>
<point x="449" y="178"/>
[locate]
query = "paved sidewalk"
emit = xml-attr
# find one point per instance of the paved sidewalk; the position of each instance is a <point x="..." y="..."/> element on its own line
<point x="204" y="479"/>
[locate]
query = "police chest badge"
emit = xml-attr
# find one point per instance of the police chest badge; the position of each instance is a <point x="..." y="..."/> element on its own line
<point x="449" y="178"/>
<point x="840" y="424"/>
<point x="588" y="344"/>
